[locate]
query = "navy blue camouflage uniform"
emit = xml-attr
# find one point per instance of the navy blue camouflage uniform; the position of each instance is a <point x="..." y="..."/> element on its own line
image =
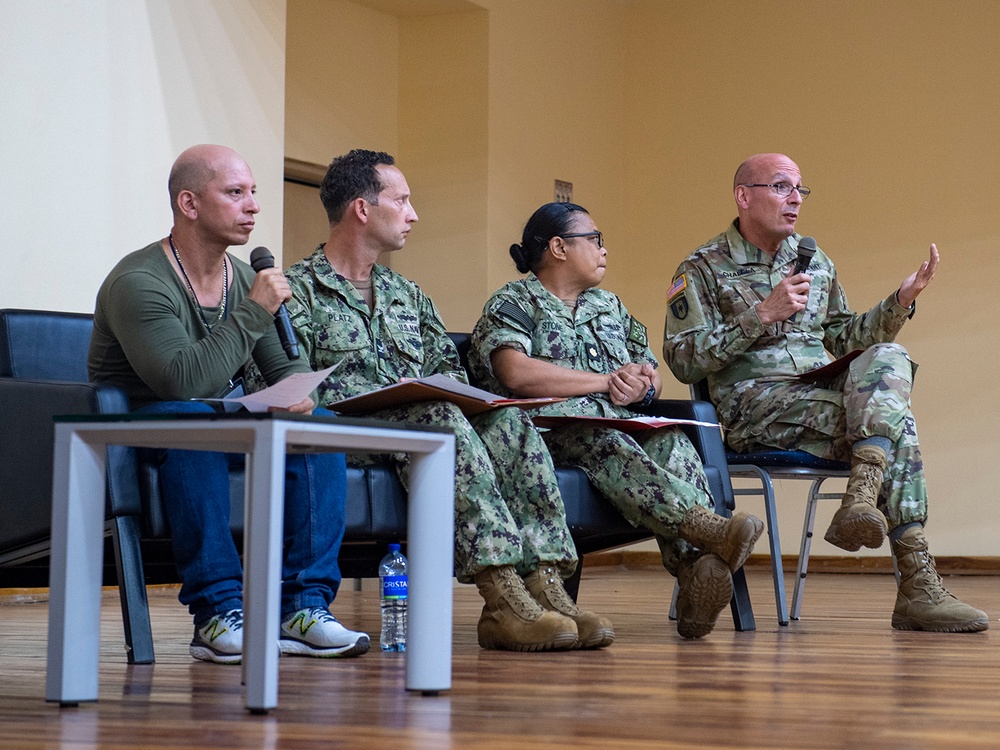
<point x="652" y="477"/>
<point x="508" y="510"/>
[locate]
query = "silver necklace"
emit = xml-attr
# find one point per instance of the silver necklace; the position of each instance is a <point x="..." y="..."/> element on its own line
<point x="194" y="297"/>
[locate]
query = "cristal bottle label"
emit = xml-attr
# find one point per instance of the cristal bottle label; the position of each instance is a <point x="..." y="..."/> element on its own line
<point x="394" y="587"/>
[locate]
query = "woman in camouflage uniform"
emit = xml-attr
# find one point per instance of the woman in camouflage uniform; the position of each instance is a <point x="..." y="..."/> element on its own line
<point x="555" y="333"/>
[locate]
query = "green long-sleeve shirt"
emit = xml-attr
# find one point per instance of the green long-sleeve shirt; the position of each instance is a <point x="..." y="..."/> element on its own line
<point x="149" y="338"/>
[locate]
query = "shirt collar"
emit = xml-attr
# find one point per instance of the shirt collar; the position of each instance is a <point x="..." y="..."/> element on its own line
<point x="327" y="277"/>
<point x="584" y="307"/>
<point x="745" y="253"/>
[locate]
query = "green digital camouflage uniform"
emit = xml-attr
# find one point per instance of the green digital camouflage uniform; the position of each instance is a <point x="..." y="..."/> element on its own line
<point x="508" y="510"/>
<point x="654" y="477"/>
<point x="712" y="331"/>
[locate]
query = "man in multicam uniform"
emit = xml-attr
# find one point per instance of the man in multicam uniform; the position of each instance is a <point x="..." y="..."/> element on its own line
<point x="739" y="316"/>
<point x="511" y="537"/>
<point x="555" y="333"/>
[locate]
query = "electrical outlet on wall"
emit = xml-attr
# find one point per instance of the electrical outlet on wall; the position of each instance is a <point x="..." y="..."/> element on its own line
<point x="564" y="191"/>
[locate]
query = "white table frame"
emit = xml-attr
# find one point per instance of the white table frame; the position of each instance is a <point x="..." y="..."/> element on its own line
<point x="78" y="511"/>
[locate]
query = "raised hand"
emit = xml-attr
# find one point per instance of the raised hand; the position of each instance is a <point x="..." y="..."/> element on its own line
<point x="917" y="281"/>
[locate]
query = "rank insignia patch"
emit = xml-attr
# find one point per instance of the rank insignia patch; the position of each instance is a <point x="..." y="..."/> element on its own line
<point x="637" y="332"/>
<point x="679" y="307"/>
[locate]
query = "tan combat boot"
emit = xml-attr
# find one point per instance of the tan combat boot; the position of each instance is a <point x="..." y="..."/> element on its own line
<point x="732" y="539"/>
<point x="513" y="621"/>
<point x="923" y="603"/>
<point x="705" y="588"/>
<point x="546" y="586"/>
<point x="858" y="523"/>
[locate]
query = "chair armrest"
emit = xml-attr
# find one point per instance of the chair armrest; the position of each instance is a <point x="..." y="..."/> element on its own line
<point x="706" y="440"/>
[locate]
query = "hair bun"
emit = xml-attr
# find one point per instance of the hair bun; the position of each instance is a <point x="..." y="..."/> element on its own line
<point x="517" y="253"/>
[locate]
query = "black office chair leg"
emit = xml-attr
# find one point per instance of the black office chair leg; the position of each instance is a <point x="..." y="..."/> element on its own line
<point x="740" y="605"/>
<point x="132" y="590"/>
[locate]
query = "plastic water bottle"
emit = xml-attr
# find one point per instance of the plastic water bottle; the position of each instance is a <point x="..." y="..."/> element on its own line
<point x="393" y="587"/>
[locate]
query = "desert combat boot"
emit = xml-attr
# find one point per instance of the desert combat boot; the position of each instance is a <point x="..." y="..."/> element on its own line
<point x="923" y="603"/>
<point x="705" y="587"/>
<point x="732" y="539"/>
<point x="546" y="586"/>
<point x="513" y="621"/>
<point x="858" y="523"/>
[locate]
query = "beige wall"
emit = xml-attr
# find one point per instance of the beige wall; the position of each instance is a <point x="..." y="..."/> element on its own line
<point x="443" y="150"/>
<point x="557" y="111"/>
<point x="98" y="98"/>
<point x="341" y="92"/>
<point x="482" y="131"/>
<point x="342" y="80"/>
<point x="414" y="84"/>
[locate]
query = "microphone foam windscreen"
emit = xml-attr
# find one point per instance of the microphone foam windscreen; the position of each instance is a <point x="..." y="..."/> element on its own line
<point x="261" y="258"/>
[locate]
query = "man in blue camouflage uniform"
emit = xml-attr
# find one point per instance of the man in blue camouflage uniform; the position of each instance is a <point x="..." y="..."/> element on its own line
<point x="741" y="317"/>
<point x="511" y="537"/>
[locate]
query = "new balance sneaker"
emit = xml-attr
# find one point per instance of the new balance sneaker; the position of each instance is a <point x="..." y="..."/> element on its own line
<point x="220" y="639"/>
<point x="315" y="632"/>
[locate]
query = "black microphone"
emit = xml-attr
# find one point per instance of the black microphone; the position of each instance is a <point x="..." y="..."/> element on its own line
<point x="261" y="258"/>
<point x="807" y="249"/>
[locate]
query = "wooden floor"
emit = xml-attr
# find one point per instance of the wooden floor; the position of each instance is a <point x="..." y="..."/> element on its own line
<point x="839" y="678"/>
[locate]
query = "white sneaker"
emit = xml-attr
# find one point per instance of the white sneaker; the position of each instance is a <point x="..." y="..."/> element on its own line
<point x="315" y="632"/>
<point x="220" y="639"/>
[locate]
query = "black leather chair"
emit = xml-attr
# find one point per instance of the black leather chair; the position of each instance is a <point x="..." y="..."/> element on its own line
<point x="765" y="466"/>
<point x="43" y="373"/>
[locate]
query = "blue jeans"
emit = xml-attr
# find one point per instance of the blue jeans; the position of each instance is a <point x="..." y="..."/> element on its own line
<point x="194" y="486"/>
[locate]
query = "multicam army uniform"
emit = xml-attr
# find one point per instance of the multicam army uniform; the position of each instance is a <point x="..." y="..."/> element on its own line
<point x="508" y="510"/>
<point x="712" y="331"/>
<point x="653" y="477"/>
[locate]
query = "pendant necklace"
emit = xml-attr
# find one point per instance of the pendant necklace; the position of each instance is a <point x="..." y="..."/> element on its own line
<point x="194" y="297"/>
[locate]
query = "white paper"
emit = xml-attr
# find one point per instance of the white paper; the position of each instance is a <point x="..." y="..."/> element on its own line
<point x="282" y="394"/>
<point x="621" y="423"/>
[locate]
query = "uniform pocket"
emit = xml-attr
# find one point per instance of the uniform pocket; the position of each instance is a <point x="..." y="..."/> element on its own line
<point x="611" y="336"/>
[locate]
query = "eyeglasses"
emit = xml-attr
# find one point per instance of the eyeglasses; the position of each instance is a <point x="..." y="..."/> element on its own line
<point x="590" y="235"/>
<point x="783" y="189"/>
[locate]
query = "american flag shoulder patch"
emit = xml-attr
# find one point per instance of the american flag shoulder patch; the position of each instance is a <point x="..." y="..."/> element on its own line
<point x="516" y="315"/>
<point x="679" y="285"/>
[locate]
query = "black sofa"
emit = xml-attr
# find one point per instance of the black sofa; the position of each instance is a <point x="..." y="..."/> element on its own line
<point x="43" y="373"/>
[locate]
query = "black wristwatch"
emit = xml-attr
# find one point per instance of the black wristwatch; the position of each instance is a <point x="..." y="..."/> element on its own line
<point x="648" y="398"/>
